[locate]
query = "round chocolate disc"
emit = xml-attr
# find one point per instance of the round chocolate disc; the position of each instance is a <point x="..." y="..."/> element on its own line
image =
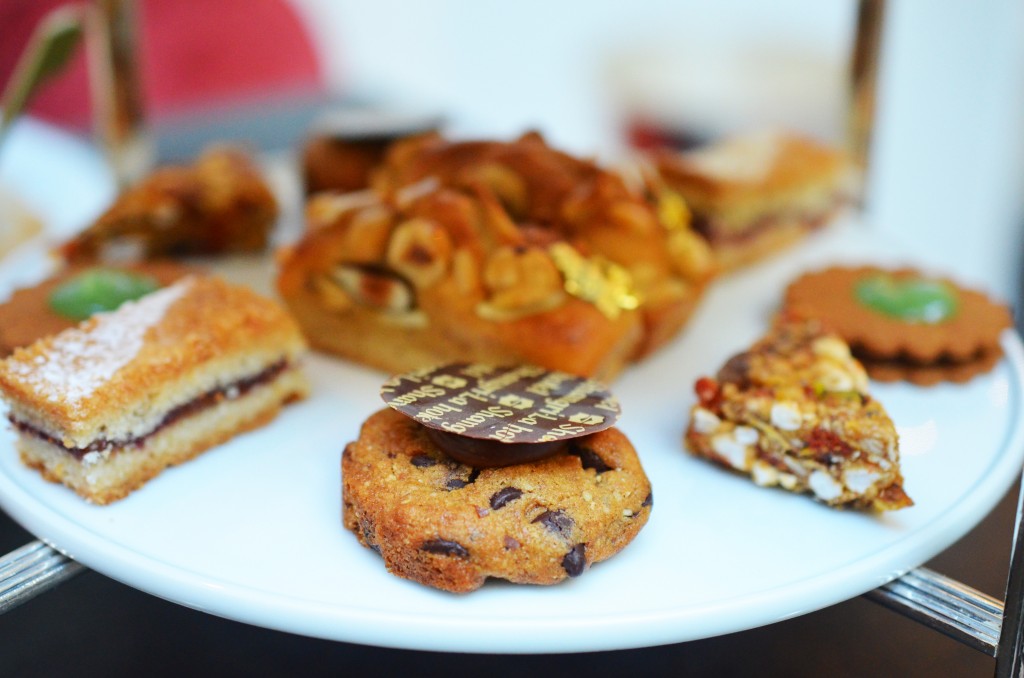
<point x="484" y="415"/>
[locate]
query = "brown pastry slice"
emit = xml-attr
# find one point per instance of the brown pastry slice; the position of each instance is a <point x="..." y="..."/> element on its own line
<point x="754" y="194"/>
<point x="219" y="204"/>
<point x="105" y="406"/>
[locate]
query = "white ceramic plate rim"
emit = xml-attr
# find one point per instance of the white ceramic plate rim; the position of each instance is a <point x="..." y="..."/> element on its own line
<point x="613" y="630"/>
<point x="475" y="631"/>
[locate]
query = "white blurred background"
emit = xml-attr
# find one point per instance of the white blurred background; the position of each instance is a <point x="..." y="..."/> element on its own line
<point x="947" y="171"/>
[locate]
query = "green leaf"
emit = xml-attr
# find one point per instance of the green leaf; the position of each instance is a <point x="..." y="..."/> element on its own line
<point x="912" y="300"/>
<point x="99" y="289"/>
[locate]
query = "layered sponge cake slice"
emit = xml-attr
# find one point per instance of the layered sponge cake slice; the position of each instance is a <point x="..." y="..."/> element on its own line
<point x="105" y="406"/>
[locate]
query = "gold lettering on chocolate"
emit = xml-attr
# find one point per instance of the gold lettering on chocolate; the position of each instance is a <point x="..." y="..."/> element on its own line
<point x="516" y="401"/>
<point x="508" y="433"/>
<point x="477" y="370"/>
<point x="417" y="394"/>
<point x="436" y="412"/>
<point x="449" y="381"/>
<point x="520" y="404"/>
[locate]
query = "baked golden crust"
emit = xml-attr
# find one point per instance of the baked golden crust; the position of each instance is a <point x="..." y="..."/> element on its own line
<point x="794" y="411"/>
<point x="450" y="526"/>
<point x="102" y="478"/>
<point x="146" y="354"/>
<point x="218" y="204"/>
<point x="433" y="303"/>
<point x="752" y="195"/>
<point x="27" y="315"/>
<point x="492" y="252"/>
<point x="105" y="406"/>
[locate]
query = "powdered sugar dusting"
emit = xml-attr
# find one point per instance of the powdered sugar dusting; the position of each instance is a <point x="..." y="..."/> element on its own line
<point x="80" y="361"/>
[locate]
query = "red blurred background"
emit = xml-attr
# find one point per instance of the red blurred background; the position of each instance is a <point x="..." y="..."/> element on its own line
<point x="229" y="52"/>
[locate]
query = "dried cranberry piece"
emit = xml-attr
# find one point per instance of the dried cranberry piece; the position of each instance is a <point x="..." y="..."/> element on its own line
<point x="708" y="392"/>
<point x="827" y="447"/>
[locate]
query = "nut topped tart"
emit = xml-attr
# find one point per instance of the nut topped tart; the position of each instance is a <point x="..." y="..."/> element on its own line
<point x="794" y="411"/>
<point x="107" y="405"/>
<point x="451" y="511"/>
<point x="492" y="252"/>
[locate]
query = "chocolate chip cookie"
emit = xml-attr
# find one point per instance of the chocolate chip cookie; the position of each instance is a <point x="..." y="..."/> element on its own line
<point x="451" y="526"/>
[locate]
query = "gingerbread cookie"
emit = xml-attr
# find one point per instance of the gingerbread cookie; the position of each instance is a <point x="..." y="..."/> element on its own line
<point x="450" y="525"/>
<point x="902" y="318"/>
<point x="929" y="375"/>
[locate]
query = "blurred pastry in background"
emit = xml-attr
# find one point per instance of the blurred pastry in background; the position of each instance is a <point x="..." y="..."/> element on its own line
<point x="754" y="194"/>
<point x="220" y="204"/>
<point x="492" y="252"/>
<point x="345" y="146"/>
<point x="76" y="293"/>
<point x="17" y="223"/>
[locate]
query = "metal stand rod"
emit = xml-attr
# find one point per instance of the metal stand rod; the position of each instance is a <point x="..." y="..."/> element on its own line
<point x="864" y="66"/>
<point x="946" y="605"/>
<point x="30" y="570"/>
<point x="1009" y="661"/>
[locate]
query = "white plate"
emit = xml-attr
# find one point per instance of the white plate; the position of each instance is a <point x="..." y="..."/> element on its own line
<point x="251" y="530"/>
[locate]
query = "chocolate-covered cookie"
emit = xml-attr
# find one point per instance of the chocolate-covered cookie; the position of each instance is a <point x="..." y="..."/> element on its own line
<point x="449" y="525"/>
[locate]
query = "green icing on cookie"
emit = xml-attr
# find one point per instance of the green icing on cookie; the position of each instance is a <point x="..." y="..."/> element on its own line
<point x="912" y="300"/>
<point x="99" y="289"/>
